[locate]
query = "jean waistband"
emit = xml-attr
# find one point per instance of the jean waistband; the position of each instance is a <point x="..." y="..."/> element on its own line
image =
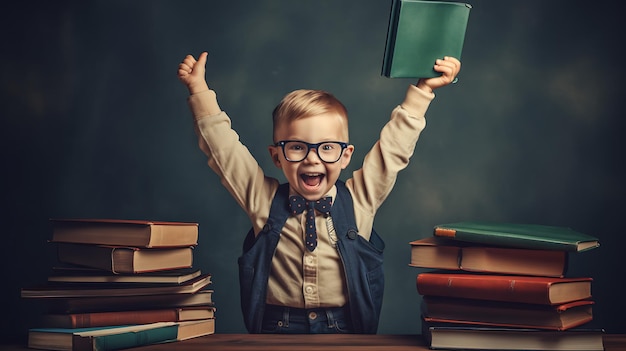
<point x="305" y="313"/>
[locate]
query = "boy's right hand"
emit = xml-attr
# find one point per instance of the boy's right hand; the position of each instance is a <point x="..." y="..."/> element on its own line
<point x="449" y="68"/>
<point x="191" y="72"/>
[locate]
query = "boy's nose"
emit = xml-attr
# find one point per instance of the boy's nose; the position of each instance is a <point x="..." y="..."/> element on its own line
<point x="312" y="156"/>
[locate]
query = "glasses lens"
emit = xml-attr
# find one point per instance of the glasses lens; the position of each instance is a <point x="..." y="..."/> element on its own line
<point x="295" y="150"/>
<point x="329" y="152"/>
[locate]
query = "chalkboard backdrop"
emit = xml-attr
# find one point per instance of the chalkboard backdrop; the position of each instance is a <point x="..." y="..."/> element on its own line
<point x="95" y="124"/>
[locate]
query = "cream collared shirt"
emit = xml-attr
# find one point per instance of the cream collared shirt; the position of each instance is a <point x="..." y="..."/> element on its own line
<point x="300" y="278"/>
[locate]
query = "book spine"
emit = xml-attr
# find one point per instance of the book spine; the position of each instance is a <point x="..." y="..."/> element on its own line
<point x="94" y="256"/>
<point x="537" y="323"/>
<point x="512" y="261"/>
<point x="108" y="304"/>
<point x="125" y="340"/>
<point x="505" y="289"/>
<point x="102" y="319"/>
<point x="394" y="13"/>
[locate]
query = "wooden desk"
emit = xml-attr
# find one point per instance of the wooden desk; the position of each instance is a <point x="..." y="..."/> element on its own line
<point x="325" y="342"/>
<point x="334" y="342"/>
<point x="318" y="342"/>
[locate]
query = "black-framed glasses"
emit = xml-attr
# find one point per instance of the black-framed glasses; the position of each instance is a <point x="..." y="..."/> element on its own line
<point x="327" y="151"/>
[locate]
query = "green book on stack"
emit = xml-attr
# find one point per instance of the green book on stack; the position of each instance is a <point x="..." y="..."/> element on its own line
<point x="420" y="32"/>
<point x="118" y="337"/>
<point x="531" y="236"/>
<point x="103" y="338"/>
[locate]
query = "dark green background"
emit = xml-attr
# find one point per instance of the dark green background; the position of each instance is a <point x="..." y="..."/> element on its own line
<point x="95" y="124"/>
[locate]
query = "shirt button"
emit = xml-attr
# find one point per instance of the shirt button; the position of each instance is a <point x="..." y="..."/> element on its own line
<point x="308" y="289"/>
<point x="312" y="315"/>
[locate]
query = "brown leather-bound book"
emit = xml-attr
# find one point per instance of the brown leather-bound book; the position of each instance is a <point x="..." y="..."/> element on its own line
<point x="448" y="254"/>
<point x="76" y="274"/>
<point x="506" y="314"/>
<point x="508" y="288"/>
<point x="123" y="303"/>
<point x="121" y="259"/>
<point x="104" y="290"/>
<point x="102" y="319"/>
<point x="124" y="232"/>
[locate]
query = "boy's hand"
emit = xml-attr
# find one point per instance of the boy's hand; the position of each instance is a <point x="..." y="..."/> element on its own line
<point x="191" y="73"/>
<point x="449" y="67"/>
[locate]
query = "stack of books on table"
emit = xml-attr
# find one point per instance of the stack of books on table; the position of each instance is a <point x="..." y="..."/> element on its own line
<point x="503" y="286"/>
<point x="120" y="284"/>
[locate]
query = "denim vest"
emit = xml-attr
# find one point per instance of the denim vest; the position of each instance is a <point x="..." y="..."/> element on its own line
<point x="362" y="263"/>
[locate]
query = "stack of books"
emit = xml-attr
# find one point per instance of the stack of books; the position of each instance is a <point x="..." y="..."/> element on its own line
<point x="504" y="286"/>
<point x="120" y="284"/>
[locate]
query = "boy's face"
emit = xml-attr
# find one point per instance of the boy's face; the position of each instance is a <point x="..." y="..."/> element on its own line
<point x="312" y="178"/>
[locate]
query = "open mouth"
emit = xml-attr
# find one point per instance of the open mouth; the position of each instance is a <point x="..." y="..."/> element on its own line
<point x="312" y="179"/>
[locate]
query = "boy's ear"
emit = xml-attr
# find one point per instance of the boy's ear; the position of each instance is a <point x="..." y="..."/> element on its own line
<point x="274" y="155"/>
<point x="346" y="156"/>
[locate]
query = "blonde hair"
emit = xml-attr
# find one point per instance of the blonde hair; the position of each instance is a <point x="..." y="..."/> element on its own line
<point x="306" y="103"/>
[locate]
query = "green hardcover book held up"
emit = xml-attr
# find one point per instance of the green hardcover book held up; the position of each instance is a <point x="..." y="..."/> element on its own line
<point x="530" y="236"/>
<point x="420" y="32"/>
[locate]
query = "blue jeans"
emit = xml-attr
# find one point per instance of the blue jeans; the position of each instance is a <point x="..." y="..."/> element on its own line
<point x="287" y="320"/>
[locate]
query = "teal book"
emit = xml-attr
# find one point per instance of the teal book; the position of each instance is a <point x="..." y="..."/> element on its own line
<point x="102" y="338"/>
<point x="420" y="32"/>
<point x="459" y="336"/>
<point x="529" y="236"/>
<point x="59" y="339"/>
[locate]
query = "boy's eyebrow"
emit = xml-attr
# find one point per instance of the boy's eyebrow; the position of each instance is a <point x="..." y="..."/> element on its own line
<point x="307" y="142"/>
<point x="317" y="142"/>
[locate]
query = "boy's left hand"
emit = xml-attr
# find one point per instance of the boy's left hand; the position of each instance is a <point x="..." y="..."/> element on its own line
<point x="449" y="67"/>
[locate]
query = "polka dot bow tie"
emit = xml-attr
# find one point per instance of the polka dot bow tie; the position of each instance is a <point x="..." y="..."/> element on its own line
<point x="298" y="204"/>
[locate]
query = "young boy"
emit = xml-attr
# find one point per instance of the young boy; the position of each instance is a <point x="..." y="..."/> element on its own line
<point x="309" y="266"/>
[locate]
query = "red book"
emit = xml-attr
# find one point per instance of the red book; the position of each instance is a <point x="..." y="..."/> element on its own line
<point x="103" y="319"/>
<point x="508" y="288"/>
